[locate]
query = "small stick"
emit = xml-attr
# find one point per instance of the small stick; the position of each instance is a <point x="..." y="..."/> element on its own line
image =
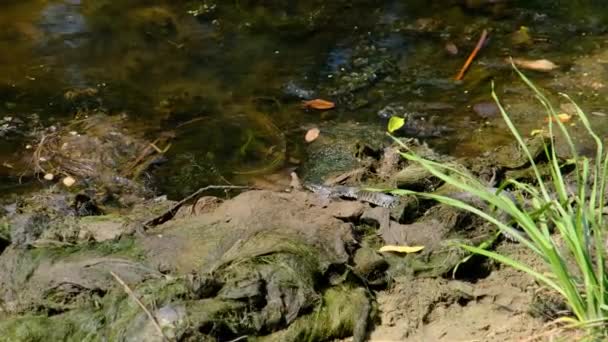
<point x="482" y="39"/>
<point x="143" y="307"/>
<point x="169" y="214"/>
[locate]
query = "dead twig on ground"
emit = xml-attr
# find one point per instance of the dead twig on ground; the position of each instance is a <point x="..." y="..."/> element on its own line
<point x="465" y="67"/>
<point x="143" y="307"/>
<point x="169" y="214"/>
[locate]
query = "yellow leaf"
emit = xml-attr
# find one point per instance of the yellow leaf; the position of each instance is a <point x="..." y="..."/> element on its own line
<point x="401" y="249"/>
<point x="536" y="132"/>
<point x="395" y="123"/>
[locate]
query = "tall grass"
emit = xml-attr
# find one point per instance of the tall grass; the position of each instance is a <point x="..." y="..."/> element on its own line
<point x="561" y="222"/>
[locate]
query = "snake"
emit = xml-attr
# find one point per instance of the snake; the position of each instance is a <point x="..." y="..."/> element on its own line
<point x="341" y="191"/>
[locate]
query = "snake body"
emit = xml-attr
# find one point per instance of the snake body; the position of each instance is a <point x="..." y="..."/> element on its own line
<point x="340" y="191"/>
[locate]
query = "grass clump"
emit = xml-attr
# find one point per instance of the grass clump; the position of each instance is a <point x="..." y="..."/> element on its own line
<point x="561" y="221"/>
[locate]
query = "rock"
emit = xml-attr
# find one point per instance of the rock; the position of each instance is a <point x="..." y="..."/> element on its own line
<point x="346" y="210"/>
<point x="27" y="228"/>
<point x="101" y="228"/>
<point x="370" y="265"/>
<point x="428" y="234"/>
<point x="378" y="217"/>
<point x="486" y="109"/>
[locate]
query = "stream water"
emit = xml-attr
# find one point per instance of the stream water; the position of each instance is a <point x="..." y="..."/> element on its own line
<point x="226" y="79"/>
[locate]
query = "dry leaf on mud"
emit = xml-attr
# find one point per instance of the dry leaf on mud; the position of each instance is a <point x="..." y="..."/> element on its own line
<point x="536" y="64"/>
<point x="318" y="104"/>
<point x="401" y="249"/>
<point x="312" y="135"/>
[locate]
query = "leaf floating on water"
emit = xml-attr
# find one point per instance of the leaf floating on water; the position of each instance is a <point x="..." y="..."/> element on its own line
<point x="562" y="117"/>
<point x="544" y="65"/>
<point x="68" y="181"/>
<point x="401" y="249"/>
<point x="394" y="123"/>
<point x="312" y="135"/>
<point x="536" y="132"/>
<point x="318" y="104"/>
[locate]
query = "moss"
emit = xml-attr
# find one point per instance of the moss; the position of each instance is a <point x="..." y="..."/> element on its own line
<point x="5" y="235"/>
<point x="344" y="312"/>
<point x="73" y="326"/>
<point x="125" y="247"/>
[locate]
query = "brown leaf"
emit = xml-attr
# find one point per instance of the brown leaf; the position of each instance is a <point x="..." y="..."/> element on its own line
<point x="318" y="104"/>
<point x="312" y="135"/>
<point x="536" y="64"/>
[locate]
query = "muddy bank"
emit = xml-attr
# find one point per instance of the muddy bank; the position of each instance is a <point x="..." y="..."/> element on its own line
<point x="269" y="265"/>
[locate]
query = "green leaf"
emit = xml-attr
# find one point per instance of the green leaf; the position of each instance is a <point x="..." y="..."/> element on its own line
<point x="395" y="123"/>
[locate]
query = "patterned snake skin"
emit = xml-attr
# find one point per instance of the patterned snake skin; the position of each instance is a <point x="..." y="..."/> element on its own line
<point x="376" y="198"/>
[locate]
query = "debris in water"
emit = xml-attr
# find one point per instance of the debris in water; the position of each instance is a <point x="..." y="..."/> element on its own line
<point x="521" y="36"/>
<point x="562" y="117"/>
<point x="482" y="40"/>
<point x="536" y="132"/>
<point x="451" y="48"/>
<point x="68" y="181"/>
<point x="312" y="135"/>
<point x="318" y="104"/>
<point x="544" y="65"/>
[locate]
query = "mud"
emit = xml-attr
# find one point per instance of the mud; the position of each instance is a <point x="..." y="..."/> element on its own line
<point x="278" y="265"/>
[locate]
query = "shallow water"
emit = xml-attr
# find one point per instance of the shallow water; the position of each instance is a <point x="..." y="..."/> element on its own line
<point x="228" y="82"/>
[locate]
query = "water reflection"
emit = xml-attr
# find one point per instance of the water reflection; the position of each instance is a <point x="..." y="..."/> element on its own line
<point x="216" y="80"/>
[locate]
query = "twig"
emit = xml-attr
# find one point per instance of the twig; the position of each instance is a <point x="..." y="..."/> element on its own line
<point x="169" y="214"/>
<point x="143" y="307"/>
<point x="482" y="39"/>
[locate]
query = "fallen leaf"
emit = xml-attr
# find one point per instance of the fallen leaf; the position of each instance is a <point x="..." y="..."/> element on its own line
<point x="49" y="176"/>
<point x="536" y="132"/>
<point x="536" y="64"/>
<point x="318" y="104"/>
<point x="68" y="181"/>
<point x="394" y="123"/>
<point x="312" y="135"/>
<point x="451" y="48"/>
<point x="401" y="249"/>
<point x="562" y="117"/>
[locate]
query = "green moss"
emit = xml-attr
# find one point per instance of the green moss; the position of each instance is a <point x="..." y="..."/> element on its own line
<point x="344" y="312"/>
<point x="80" y="326"/>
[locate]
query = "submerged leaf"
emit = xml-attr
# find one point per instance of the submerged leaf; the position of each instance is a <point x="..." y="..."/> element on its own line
<point x="395" y="123"/>
<point x="401" y="249"/>
<point x="562" y="117"/>
<point x="312" y="135"/>
<point x="318" y="104"/>
<point x="537" y="64"/>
